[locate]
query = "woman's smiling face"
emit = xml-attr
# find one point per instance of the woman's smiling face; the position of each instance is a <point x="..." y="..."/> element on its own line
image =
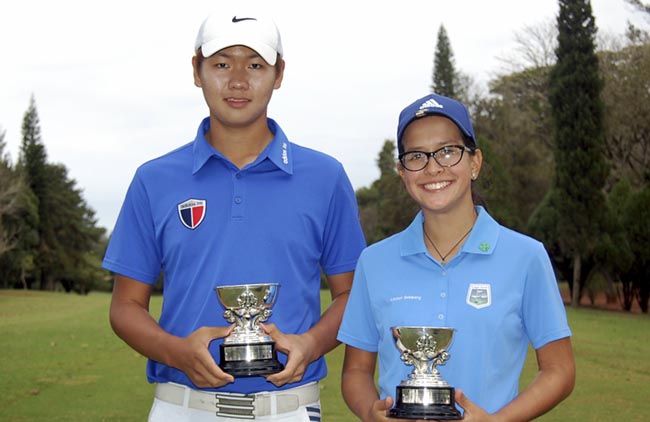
<point x="436" y="188"/>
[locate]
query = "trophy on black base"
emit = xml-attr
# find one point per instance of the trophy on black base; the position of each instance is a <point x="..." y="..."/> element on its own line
<point x="424" y="395"/>
<point x="248" y="351"/>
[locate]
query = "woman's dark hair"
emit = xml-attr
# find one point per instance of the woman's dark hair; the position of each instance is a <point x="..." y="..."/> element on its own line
<point x="476" y="197"/>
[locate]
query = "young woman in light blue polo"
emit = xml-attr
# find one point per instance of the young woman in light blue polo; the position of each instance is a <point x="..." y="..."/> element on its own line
<point x="455" y="266"/>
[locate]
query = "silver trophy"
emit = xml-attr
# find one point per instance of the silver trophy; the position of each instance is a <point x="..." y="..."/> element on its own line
<point x="248" y="351"/>
<point x="424" y="395"/>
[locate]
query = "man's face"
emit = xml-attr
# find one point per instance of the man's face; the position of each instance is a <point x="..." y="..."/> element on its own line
<point x="237" y="85"/>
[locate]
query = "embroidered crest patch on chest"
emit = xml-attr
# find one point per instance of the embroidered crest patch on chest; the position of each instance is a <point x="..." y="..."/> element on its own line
<point x="479" y="295"/>
<point x="192" y="212"/>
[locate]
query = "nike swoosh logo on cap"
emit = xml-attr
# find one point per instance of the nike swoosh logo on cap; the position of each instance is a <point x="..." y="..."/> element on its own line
<point x="235" y="19"/>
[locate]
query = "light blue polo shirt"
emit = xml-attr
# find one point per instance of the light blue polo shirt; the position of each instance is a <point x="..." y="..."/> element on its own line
<point x="499" y="293"/>
<point x="205" y="223"/>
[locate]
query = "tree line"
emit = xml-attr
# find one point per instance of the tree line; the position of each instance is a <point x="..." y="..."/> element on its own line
<point x="566" y="145"/>
<point x="49" y="237"/>
<point x="565" y="136"/>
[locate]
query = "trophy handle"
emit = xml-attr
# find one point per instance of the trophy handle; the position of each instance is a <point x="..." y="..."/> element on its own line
<point x="230" y="316"/>
<point x="261" y="317"/>
<point x="441" y="359"/>
<point x="241" y="325"/>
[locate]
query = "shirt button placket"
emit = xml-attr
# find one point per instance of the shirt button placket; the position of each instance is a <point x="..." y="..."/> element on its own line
<point x="237" y="208"/>
<point x="444" y="287"/>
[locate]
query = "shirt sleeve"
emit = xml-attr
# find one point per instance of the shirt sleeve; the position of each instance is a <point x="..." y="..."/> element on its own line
<point x="132" y="249"/>
<point x="543" y="309"/>
<point x="343" y="236"/>
<point x="358" y="328"/>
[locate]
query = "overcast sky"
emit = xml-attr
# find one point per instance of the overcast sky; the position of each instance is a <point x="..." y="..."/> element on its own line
<point x="113" y="80"/>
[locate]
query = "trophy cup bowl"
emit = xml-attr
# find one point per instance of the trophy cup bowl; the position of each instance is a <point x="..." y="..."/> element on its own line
<point x="424" y="395"/>
<point x="248" y="351"/>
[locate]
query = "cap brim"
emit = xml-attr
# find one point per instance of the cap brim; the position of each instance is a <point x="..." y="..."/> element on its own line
<point x="266" y="52"/>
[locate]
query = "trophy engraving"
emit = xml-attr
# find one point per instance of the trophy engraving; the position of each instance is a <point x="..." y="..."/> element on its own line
<point x="424" y="395"/>
<point x="248" y="351"/>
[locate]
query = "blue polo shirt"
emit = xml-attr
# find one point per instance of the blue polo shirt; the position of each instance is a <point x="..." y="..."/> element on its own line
<point x="499" y="293"/>
<point x="203" y="222"/>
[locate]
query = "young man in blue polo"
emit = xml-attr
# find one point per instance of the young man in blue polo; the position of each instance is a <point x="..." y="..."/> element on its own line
<point x="239" y="204"/>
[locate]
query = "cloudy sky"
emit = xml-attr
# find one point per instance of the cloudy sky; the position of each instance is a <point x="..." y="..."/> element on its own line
<point x="113" y="80"/>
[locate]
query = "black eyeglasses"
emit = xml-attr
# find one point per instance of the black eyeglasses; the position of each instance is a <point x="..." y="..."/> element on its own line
<point x="447" y="156"/>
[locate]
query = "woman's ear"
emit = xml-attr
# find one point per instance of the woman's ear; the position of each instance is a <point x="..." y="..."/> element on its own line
<point x="401" y="172"/>
<point x="477" y="162"/>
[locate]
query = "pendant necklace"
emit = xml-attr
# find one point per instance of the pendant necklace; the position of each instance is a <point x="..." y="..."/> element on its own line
<point x="444" y="257"/>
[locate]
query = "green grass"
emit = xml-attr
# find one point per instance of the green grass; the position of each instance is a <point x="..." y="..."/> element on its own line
<point x="61" y="362"/>
<point x="612" y="351"/>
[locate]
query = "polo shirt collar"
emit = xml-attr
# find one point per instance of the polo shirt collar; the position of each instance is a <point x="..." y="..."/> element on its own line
<point x="481" y="241"/>
<point x="278" y="151"/>
<point x="485" y="234"/>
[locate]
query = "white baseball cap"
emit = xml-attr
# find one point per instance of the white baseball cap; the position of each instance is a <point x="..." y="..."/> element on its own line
<point x="257" y="32"/>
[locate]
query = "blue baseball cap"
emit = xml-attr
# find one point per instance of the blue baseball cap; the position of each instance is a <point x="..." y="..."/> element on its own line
<point x="435" y="105"/>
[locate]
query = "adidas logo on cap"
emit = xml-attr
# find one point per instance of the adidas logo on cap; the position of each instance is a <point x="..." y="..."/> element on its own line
<point x="431" y="103"/>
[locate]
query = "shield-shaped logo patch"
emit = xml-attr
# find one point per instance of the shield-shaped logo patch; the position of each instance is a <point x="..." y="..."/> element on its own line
<point x="192" y="212"/>
<point x="479" y="295"/>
